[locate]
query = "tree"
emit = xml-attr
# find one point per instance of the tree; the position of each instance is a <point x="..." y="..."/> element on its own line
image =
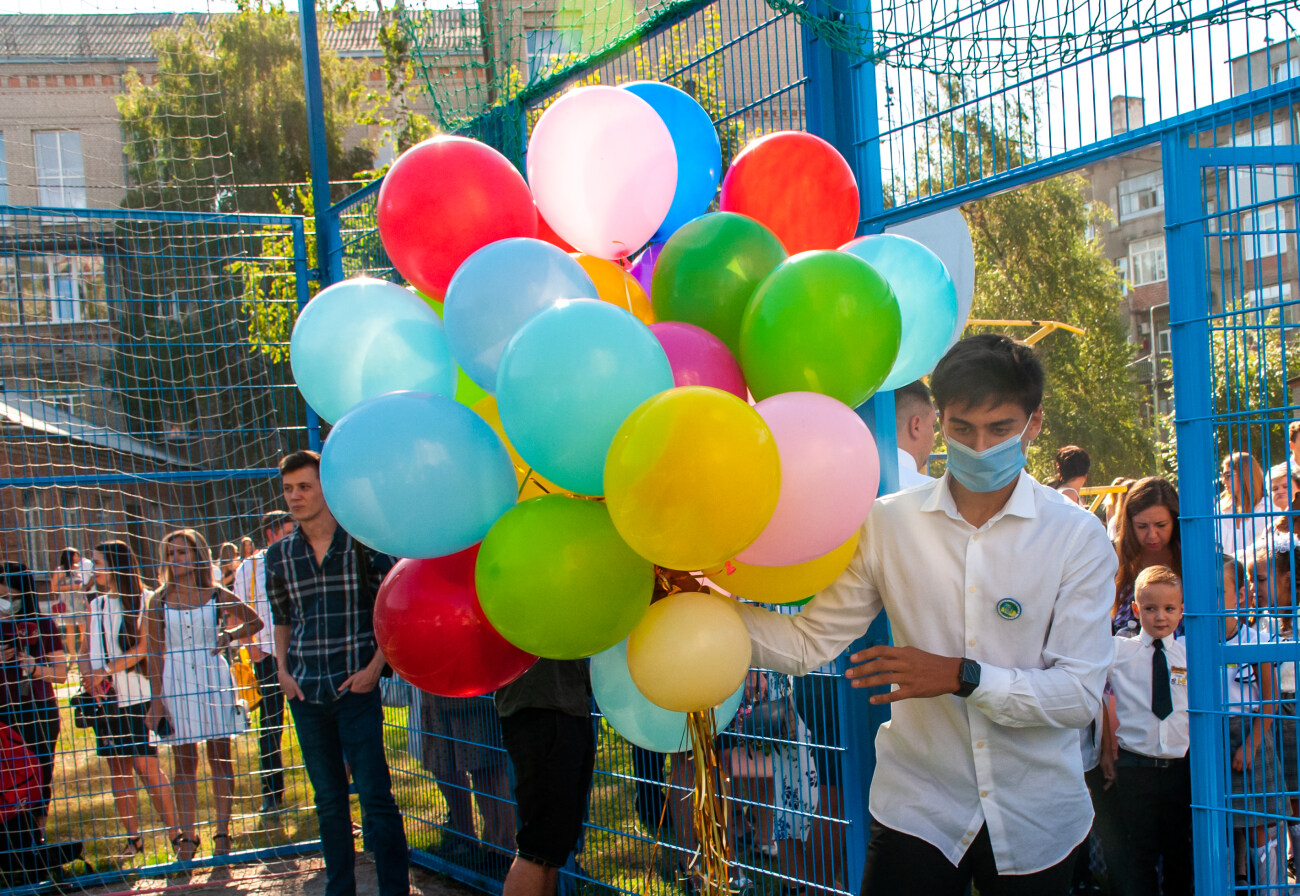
<point x="224" y="123"/>
<point x="1034" y="260"/>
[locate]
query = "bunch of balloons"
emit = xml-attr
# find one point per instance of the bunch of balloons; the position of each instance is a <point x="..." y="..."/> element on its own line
<point x="592" y="376"/>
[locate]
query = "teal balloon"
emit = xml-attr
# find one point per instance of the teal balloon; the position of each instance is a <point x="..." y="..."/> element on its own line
<point x="416" y="475"/>
<point x="636" y="718"/>
<point x="927" y="301"/>
<point x="568" y="380"/>
<point x="496" y="290"/>
<point x="362" y="338"/>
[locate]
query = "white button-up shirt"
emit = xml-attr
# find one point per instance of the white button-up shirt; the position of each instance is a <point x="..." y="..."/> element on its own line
<point x="250" y="587"/>
<point x="1028" y="595"/>
<point x="1130" y="678"/>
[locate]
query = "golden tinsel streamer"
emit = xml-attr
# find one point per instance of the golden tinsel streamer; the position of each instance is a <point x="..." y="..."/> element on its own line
<point x="708" y="813"/>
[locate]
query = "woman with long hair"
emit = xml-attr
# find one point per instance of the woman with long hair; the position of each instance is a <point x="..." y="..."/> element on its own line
<point x="114" y="670"/>
<point x="1148" y="536"/>
<point x="228" y="563"/>
<point x="1243" y="503"/>
<point x="31" y="651"/>
<point x="190" y="678"/>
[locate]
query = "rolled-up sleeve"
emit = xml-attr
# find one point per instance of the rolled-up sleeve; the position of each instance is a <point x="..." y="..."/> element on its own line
<point x="1066" y="692"/>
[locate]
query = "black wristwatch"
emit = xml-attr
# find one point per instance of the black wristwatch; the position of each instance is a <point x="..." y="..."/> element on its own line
<point x="968" y="677"/>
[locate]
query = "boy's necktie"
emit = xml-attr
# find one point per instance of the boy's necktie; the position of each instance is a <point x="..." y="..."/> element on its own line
<point x="1162" y="699"/>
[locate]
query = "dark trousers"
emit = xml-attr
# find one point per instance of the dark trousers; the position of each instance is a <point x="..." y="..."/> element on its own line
<point x="270" y="728"/>
<point x="899" y="864"/>
<point x="648" y="766"/>
<point x="351" y="728"/>
<point x="1144" y="817"/>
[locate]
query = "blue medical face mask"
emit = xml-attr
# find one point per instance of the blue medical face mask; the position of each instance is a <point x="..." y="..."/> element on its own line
<point x="987" y="470"/>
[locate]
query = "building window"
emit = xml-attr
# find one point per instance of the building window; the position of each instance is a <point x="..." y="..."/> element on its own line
<point x="1281" y="71"/>
<point x="1261" y="233"/>
<point x="60" y="173"/>
<point x="1268" y="297"/>
<point x="1141" y="195"/>
<point x="59" y="288"/>
<point x="1146" y="261"/>
<point x="547" y="48"/>
<point x="4" y="178"/>
<point x="1162" y="341"/>
<point x="1122" y="265"/>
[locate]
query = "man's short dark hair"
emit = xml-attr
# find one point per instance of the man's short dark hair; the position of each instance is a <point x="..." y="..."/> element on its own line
<point x="914" y="393"/>
<point x="986" y="370"/>
<point x="1072" y="462"/>
<point x="298" y="460"/>
<point x="274" y="519"/>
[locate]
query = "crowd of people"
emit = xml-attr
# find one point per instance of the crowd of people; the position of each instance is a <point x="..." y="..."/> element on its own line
<point x="1037" y="670"/>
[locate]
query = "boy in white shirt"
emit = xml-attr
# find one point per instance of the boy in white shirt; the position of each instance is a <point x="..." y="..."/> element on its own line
<point x="1151" y="776"/>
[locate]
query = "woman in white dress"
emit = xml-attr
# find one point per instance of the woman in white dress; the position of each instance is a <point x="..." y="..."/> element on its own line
<point x="193" y="694"/>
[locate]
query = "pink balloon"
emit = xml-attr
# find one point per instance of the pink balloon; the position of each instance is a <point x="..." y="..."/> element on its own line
<point x="698" y="358"/>
<point x="644" y="266"/>
<point x="603" y="170"/>
<point x="830" y="473"/>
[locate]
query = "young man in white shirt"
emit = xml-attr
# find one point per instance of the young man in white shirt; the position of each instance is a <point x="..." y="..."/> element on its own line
<point x="250" y="585"/>
<point x="998" y="592"/>
<point x="914" y="418"/>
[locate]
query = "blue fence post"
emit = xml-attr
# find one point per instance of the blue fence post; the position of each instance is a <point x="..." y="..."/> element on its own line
<point x="300" y="277"/>
<point x="1189" y="334"/>
<point x="327" y="236"/>
<point x="840" y="107"/>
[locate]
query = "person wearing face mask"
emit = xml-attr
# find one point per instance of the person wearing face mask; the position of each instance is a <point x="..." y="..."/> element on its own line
<point x="1000" y="647"/>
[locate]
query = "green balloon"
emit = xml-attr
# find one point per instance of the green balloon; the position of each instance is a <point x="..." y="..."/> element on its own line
<point x="468" y="392"/>
<point x="555" y="579"/>
<point x="825" y="322"/>
<point x="708" y="271"/>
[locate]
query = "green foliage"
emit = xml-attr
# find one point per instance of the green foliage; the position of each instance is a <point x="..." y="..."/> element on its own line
<point x="1251" y="358"/>
<point x="224" y="123"/>
<point x="1033" y="261"/>
<point x="270" y="297"/>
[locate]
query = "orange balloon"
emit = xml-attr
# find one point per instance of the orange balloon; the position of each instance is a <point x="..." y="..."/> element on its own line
<point x="617" y="286"/>
<point x="531" y="484"/>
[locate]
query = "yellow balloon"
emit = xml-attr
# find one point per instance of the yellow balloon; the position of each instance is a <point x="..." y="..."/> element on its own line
<point x="692" y="477"/>
<point x="617" y="286"/>
<point x="531" y="485"/>
<point x="784" y="584"/>
<point x="689" y="652"/>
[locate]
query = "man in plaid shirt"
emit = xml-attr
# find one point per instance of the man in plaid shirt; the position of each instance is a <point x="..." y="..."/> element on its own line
<point x="329" y="665"/>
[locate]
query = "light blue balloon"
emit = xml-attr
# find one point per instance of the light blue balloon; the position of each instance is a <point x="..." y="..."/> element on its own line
<point x="363" y="337"/>
<point x="927" y="301"/>
<point x="636" y="718"/>
<point x="498" y="288"/>
<point x="699" y="153"/>
<point x="568" y="380"/>
<point x="416" y="475"/>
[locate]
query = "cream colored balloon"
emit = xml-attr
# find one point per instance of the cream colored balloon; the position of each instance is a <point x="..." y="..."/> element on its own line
<point x="689" y="652"/>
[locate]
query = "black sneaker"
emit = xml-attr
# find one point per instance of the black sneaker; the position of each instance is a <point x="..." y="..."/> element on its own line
<point x="271" y="804"/>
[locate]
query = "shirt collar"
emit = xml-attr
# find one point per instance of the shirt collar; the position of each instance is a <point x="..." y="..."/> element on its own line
<point x="1021" y="503"/>
<point x="1147" y="640"/>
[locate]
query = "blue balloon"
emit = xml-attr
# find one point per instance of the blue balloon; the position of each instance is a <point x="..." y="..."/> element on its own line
<point x="636" y="718"/>
<point x="568" y="380"/>
<point x="927" y="301"/>
<point x="498" y="288"/>
<point x="416" y="475"/>
<point x="363" y="337"/>
<point x="699" y="154"/>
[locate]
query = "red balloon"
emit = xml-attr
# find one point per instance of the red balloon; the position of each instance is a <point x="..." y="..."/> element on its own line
<point x="442" y="200"/>
<point x="433" y="632"/>
<point x="798" y="186"/>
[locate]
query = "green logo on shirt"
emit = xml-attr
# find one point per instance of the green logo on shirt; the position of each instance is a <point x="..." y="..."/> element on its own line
<point x="1008" y="608"/>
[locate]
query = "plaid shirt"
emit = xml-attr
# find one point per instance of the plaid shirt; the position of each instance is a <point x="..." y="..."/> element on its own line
<point x="329" y="613"/>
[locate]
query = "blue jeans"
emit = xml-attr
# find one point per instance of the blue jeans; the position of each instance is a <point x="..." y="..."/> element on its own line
<point x="352" y="728"/>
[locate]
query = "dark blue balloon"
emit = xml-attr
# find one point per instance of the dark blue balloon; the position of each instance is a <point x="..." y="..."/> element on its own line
<point x="699" y="154"/>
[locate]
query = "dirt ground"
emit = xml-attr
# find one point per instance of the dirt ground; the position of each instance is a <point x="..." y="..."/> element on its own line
<point x="287" y="877"/>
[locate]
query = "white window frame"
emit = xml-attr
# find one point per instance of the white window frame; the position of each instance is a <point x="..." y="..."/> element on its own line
<point x="1139" y="251"/>
<point x="558" y="42"/>
<point x="1162" y="342"/>
<point x="1284" y="70"/>
<point x="1263" y="232"/>
<point x="64" y="185"/>
<point x="1268" y="297"/>
<point x="4" y="179"/>
<point x="1134" y="190"/>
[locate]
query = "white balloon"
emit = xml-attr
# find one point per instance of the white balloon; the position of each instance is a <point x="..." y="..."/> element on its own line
<point x="947" y="235"/>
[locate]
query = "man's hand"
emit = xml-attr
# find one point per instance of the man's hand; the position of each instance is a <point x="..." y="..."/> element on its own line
<point x="915" y="672"/>
<point x="362" y="682"/>
<point x="288" y="685"/>
<point x="1108" y="772"/>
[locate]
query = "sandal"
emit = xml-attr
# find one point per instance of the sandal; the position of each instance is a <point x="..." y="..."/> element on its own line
<point x="134" y="847"/>
<point x="178" y="844"/>
<point x="223" y="850"/>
